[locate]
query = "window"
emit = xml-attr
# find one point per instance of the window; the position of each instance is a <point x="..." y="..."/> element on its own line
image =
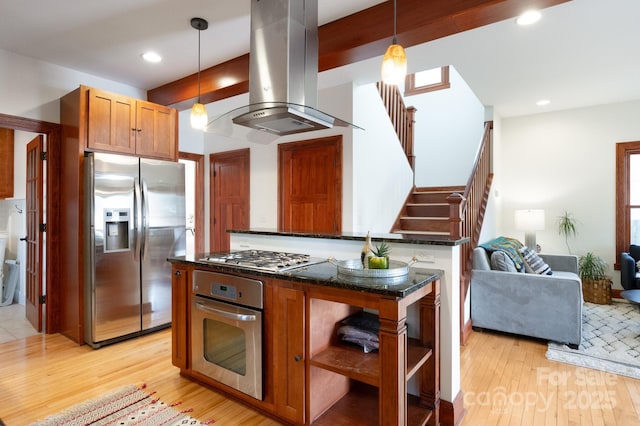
<point x="427" y="81"/>
<point x="627" y="196"/>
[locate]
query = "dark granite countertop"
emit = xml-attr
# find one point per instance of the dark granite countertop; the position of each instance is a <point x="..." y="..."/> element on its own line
<point x="360" y="236"/>
<point x="326" y="274"/>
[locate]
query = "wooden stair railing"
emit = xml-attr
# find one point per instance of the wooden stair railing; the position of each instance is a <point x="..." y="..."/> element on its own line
<point x="472" y="209"/>
<point x="453" y="213"/>
<point x="402" y="118"/>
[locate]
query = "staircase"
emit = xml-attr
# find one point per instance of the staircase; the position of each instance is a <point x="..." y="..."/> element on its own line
<point x="427" y="212"/>
<point x="450" y="213"/>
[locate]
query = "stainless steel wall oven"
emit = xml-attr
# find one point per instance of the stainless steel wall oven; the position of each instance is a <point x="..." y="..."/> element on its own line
<point x="226" y="330"/>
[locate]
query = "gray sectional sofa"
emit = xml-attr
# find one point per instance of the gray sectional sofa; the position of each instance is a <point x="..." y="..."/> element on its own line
<point x="543" y="306"/>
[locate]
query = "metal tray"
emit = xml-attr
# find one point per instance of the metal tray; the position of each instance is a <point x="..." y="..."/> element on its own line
<point x="353" y="268"/>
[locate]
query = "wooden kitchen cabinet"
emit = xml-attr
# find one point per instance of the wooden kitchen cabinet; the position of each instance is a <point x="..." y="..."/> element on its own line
<point x="311" y="377"/>
<point x="124" y="125"/>
<point x="180" y="299"/>
<point x="288" y="353"/>
<point x="6" y="163"/>
<point x="95" y="120"/>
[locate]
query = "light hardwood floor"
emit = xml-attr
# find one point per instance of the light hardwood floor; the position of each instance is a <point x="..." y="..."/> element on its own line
<point x="506" y="381"/>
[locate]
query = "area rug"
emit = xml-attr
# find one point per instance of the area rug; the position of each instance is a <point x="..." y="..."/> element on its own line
<point x="610" y="340"/>
<point x="129" y="405"/>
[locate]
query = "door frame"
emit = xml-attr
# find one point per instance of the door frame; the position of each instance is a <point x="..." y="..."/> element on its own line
<point x="53" y="134"/>
<point x="199" y="207"/>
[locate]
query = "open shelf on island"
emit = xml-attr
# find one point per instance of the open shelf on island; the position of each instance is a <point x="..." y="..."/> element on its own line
<point x="352" y="362"/>
<point x="360" y="408"/>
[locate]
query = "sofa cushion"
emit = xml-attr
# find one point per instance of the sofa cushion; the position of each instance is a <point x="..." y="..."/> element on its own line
<point x="534" y="263"/>
<point x="500" y="261"/>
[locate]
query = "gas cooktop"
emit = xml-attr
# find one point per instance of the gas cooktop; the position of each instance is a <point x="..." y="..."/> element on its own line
<point x="264" y="260"/>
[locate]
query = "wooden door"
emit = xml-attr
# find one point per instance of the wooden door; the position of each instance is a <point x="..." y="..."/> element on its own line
<point x="33" y="306"/>
<point x="229" y="196"/>
<point x="289" y="355"/>
<point x="156" y="131"/>
<point x="112" y="122"/>
<point x="310" y="186"/>
<point x="6" y="163"/>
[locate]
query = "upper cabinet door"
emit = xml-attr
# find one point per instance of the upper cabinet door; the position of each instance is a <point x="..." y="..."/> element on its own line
<point x="126" y="125"/>
<point x="156" y="136"/>
<point x="111" y="123"/>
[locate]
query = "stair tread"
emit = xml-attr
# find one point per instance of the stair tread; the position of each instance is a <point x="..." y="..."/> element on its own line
<point x="408" y="231"/>
<point x="424" y="217"/>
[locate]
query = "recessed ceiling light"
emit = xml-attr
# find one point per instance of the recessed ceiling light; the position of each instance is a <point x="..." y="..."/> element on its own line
<point x="543" y="102"/>
<point x="151" y="57"/>
<point x="529" y="17"/>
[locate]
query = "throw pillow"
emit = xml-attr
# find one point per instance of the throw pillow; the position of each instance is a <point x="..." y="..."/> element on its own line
<point x="534" y="262"/>
<point x="500" y="261"/>
<point x="508" y="245"/>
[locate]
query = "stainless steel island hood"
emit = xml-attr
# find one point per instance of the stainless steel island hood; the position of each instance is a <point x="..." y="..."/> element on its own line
<point x="283" y="71"/>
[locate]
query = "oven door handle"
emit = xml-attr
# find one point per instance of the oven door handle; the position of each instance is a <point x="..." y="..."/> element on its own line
<point x="226" y="314"/>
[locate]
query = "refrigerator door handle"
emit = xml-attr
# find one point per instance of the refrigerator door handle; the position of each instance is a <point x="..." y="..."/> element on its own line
<point x="145" y="219"/>
<point x="137" y="218"/>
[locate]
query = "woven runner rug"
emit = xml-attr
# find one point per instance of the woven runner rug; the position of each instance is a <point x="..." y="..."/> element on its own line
<point x="610" y="340"/>
<point x="128" y="405"/>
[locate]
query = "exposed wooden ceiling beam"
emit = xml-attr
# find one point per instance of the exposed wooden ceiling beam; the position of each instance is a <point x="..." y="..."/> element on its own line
<point x="354" y="38"/>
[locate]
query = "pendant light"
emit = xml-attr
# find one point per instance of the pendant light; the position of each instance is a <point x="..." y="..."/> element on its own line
<point x="199" y="115"/>
<point x="394" y="62"/>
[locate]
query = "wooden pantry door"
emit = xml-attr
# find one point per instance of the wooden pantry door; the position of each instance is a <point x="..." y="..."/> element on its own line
<point x="229" y="196"/>
<point x="310" y="186"/>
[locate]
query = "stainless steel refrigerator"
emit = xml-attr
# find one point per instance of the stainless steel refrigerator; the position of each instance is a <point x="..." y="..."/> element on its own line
<point x="135" y="219"/>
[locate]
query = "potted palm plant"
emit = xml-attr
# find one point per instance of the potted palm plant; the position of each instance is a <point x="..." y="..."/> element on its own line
<point x="596" y="285"/>
<point x="567" y="227"/>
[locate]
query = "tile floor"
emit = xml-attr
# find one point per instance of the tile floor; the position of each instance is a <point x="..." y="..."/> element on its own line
<point x="13" y="324"/>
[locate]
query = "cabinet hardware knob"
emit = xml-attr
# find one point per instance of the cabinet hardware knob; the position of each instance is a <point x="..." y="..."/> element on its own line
<point x="178" y="273"/>
<point x="139" y="130"/>
<point x="297" y="358"/>
<point x="24" y="238"/>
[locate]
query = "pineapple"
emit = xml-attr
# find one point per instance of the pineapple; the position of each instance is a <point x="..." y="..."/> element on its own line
<point x="380" y="258"/>
<point x="382" y="250"/>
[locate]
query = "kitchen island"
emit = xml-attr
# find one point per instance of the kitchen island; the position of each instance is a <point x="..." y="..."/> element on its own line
<point x="309" y="375"/>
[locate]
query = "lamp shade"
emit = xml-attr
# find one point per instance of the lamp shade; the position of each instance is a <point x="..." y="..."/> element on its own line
<point x="199" y="116"/>
<point x="394" y="65"/>
<point x="530" y="220"/>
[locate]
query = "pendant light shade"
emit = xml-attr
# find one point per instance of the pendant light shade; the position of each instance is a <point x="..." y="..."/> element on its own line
<point x="199" y="117"/>
<point x="394" y="65"/>
<point x="394" y="62"/>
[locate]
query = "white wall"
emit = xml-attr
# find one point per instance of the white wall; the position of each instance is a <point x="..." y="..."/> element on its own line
<point x="32" y="88"/>
<point x="381" y="173"/>
<point x="565" y="161"/>
<point x="448" y="130"/>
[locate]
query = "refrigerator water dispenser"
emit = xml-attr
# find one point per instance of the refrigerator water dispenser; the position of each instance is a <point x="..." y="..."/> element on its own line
<point x="116" y="230"/>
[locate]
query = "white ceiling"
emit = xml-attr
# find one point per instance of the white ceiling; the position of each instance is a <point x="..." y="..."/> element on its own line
<point x="584" y="52"/>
